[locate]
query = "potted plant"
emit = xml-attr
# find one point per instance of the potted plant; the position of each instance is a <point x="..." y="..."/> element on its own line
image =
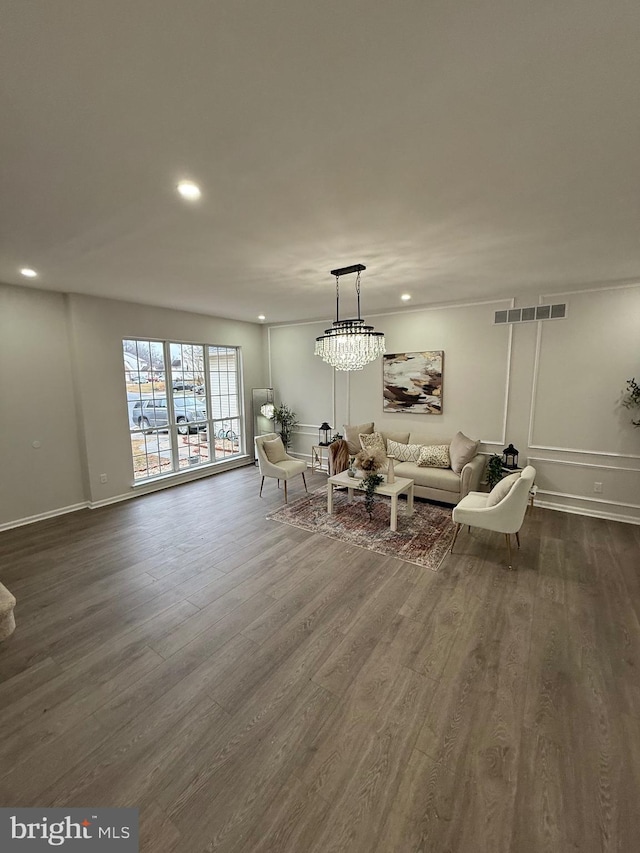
<point x="288" y="420"/>
<point x="370" y="461"/>
<point x="494" y="471"/>
<point x="371" y="482"/>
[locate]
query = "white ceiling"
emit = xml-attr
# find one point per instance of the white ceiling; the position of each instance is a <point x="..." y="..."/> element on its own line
<point x="460" y="149"/>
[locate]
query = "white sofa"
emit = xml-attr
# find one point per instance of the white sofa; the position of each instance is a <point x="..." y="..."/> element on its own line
<point x="437" y="484"/>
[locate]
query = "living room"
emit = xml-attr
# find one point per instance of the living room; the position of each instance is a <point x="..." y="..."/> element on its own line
<point x="545" y="386"/>
<point x="243" y="684"/>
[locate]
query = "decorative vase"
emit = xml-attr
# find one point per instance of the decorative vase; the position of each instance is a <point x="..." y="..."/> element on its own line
<point x="391" y="475"/>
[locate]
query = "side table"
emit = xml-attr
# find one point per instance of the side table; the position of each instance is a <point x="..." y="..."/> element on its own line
<point x="320" y="459"/>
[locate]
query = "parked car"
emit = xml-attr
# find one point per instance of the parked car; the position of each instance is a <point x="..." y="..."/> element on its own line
<point x="155" y="413"/>
<point x="179" y="385"/>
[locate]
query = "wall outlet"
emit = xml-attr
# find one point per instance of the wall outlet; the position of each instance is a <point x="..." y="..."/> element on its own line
<point x="597" y="488"/>
<point x="103" y="478"/>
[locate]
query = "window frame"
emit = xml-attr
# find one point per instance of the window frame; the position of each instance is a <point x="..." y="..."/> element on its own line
<point x="178" y="438"/>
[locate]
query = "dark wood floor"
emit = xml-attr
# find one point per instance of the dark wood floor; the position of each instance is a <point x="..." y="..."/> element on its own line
<point x="253" y="687"/>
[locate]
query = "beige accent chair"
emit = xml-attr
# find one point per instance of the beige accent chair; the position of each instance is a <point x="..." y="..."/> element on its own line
<point x="284" y="470"/>
<point x="506" y="516"/>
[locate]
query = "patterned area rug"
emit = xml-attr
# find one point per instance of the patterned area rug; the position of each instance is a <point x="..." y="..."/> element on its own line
<point x="423" y="538"/>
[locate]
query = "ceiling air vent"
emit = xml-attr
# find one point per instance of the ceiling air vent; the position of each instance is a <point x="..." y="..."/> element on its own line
<point x="528" y="315"/>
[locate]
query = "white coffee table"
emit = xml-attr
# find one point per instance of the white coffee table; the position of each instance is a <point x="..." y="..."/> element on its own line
<point x="400" y="486"/>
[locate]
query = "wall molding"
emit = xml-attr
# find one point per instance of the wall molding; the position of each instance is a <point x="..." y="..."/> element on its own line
<point x="507" y="385"/>
<point x="534" y="393"/>
<point x="607" y="453"/>
<point x="573" y="510"/>
<point x="334" y="407"/>
<point x="347" y="413"/>
<point x="415" y="309"/>
<point x="602" y="289"/>
<point x="583" y="464"/>
<point x="587" y="499"/>
<point x="591" y="511"/>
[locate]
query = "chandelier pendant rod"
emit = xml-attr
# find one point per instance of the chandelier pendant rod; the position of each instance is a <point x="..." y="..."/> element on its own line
<point x="357" y="268"/>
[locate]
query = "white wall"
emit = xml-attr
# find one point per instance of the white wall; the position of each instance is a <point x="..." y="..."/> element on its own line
<point x="552" y="388"/>
<point x="476" y="363"/>
<point x="62" y="383"/>
<point x="37" y="404"/>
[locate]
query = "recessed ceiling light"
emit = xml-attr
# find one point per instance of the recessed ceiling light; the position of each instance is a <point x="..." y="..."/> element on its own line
<point x="189" y="190"/>
<point x="261" y="317"/>
<point x="27" y="272"/>
<point x="405" y="297"/>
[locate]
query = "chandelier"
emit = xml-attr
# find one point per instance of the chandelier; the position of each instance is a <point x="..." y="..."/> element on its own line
<point x="268" y="411"/>
<point x="349" y="344"/>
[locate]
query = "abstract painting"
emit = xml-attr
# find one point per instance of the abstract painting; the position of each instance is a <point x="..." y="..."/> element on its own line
<point x="412" y="382"/>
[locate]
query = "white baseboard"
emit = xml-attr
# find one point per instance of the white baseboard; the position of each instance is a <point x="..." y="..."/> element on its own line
<point x="189" y="476"/>
<point x="591" y="511"/>
<point x="31" y="519"/>
<point x="138" y="491"/>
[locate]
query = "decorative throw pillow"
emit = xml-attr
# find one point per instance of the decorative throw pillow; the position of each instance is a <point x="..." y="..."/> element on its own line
<point x="434" y="456"/>
<point x="274" y="450"/>
<point x="404" y="452"/>
<point x="400" y="437"/>
<point x="502" y="489"/>
<point x="372" y="441"/>
<point x="461" y="451"/>
<point x="352" y="435"/>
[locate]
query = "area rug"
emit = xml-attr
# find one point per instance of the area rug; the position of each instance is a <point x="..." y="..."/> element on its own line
<point x="422" y="538"/>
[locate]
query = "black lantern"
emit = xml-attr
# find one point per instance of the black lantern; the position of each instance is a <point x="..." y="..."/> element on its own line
<point x="323" y="434"/>
<point x="510" y="457"/>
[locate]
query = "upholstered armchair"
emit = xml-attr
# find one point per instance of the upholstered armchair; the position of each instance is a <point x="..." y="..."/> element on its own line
<point x="274" y="461"/>
<point x="502" y="509"/>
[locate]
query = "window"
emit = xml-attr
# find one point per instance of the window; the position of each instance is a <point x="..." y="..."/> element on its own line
<point x="183" y="404"/>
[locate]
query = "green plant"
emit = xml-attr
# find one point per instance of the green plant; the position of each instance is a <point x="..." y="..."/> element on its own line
<point x="631" y="399"/>
<point x="288" y="420"/>
<point x="494" y="470"/>
<point x="371" y="483"/>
